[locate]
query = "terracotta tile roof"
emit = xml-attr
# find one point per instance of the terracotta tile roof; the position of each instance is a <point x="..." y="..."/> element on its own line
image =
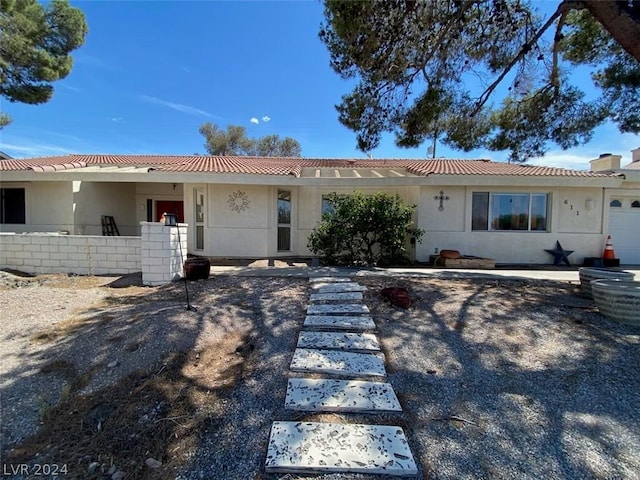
<point x="286" y="166"/>
<point x="45" y="164"/>
<point x="79" y="161"/>
<point x="242" y="165"/>
<point x="135" y="160"/>
<point x="486" y="167"/>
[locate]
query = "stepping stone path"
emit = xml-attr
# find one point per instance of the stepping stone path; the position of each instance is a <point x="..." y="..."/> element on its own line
<point x="321" y="394"/>
<point x="335" y="296"/>
<point x="332" y="447"/>
<point x="308" y="447"/>
<point x="315" y="281"/>
<point x="336" y="322"/>
<point x="339" y="341"/>
<point x="339" y="288"/>
<point x="337" y="362"/>
<point x="336" y="308"/>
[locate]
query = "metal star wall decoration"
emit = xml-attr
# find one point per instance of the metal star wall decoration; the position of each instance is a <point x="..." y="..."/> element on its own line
<point x="560" y="254"/>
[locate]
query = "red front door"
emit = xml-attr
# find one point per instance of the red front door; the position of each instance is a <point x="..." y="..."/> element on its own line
<point x="170" y="206"/>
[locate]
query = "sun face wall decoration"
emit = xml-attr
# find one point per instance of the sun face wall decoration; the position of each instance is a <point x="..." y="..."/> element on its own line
<point x="238" y="201"/>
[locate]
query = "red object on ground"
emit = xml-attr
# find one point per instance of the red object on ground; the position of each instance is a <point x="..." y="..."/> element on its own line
<point x="397" y="296"/>
<point x="608" y="253"/>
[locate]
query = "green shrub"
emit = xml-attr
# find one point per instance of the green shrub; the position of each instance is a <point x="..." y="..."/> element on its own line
<point x="364" y="230"/>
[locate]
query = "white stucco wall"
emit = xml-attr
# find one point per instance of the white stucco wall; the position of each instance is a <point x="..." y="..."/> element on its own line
<point x="91" y="200"/>
<point x="579" y="210"/>
<point x="77" y="206"/>
<point x="451" y="218"/>
<point x="230" y="233"/>
<point x="578" y="216"/>
<point x="575" y="219"/>
<point x="515" y="247"/>
<point x="252" y="232"/>
<point x="48" y="207"/>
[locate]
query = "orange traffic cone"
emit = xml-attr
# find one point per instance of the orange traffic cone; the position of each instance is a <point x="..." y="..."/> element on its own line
<point x="608" y="253"/>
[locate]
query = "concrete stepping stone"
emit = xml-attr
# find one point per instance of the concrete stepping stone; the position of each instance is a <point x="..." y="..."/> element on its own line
<point x="338" y="287"/>
<point x="341" y="296"/>
<point x="336" y="308"/>
<point x="326" y="395"/>
<point x="337" y="362"/>
<point x="339" y="322"/>
<point x="338" y="341"/>
<point x="296" y="447"/>
<point x="329" y="279"/>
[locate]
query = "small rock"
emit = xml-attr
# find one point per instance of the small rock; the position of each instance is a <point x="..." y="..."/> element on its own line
<point x="153" y="463"/>
<point x="93" y="466"/>
<point x="112" y="364"/>
<point x="112" y="470"/>
<point x="119" y="475"/>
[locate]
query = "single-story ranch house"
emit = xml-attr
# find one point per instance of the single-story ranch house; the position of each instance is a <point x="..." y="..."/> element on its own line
<point x="266" y="207"/>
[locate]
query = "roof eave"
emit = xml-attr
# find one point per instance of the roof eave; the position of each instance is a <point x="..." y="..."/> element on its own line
<point x="151" y="175"/>
<point x="526" y="180"/>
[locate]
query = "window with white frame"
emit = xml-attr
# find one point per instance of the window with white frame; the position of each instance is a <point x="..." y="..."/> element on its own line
<point x="509" y="211"/>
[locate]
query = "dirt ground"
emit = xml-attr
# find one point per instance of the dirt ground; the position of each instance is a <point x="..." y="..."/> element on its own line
<point x="497" y="378"/>
<point x="131" y="376"/>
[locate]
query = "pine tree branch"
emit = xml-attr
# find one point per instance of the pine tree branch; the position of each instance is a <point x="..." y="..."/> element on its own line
<point x="555" y="74"/>
<point x="443" y="34"/>
<point x="524" y="50"/>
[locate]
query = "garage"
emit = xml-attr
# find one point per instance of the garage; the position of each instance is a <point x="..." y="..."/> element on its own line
<point x="624" y="227"/>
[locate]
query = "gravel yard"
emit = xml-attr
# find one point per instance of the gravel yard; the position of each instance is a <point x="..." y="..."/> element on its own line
<point x="498" y="378"/>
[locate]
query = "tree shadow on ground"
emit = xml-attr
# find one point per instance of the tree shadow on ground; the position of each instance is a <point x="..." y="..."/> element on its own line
<point x="512" y="379"/>
<point x="497" y="378"/>
<point x="139" y="377"/>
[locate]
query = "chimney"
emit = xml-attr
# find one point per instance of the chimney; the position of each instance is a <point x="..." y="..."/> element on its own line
<point x="605" y="162"/>
<point x="635" y="155"/>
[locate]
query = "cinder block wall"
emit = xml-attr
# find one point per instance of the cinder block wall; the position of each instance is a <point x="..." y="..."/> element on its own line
<point x="164" y="251"/>
<point x="38" y="253"/>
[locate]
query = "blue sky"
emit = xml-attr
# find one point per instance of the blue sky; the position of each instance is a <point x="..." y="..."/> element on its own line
<point x="151" y="72"/>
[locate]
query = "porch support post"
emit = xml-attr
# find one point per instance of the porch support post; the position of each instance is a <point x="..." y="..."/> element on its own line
<point x="162" y="260"/>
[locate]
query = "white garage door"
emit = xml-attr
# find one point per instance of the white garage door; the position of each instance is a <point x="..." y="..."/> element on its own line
<point x="624" y="227"/>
